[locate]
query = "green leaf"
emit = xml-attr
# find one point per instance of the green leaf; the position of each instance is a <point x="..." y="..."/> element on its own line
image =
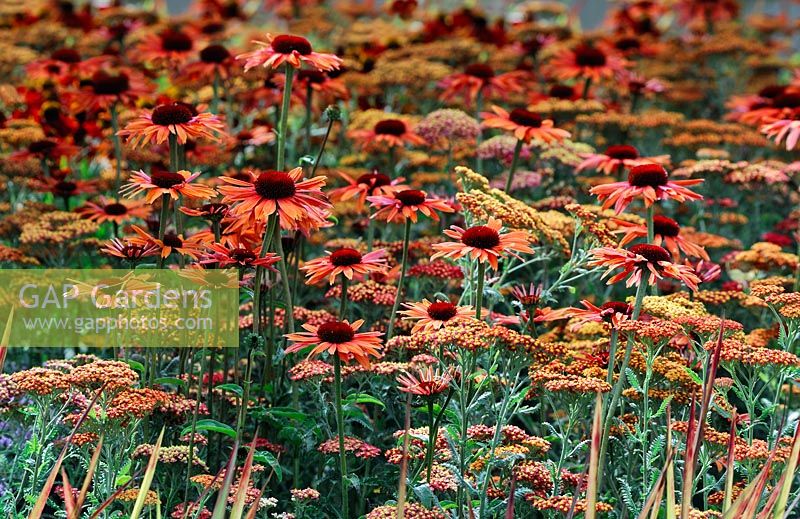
<point x="233" y="388"/>
<point x="632" y="380"/>
<point x="211" y="425"/>
<point x="363" y="398"/>
<point x="169" y="381"/>
<point x="269" y="459"/>
<point x="138" y="366"/>
<point x="287" y="413"/>
<point x="694" y="376"/>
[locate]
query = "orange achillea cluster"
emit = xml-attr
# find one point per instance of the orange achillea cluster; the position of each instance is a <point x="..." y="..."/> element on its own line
<point x="734" y="349"/>
<point x="359" y="448"/>
<point x="767" y="256"/>
<point x="367" y="292"/>
<point x="410" y="511"/>
<point x="564" y="504"/>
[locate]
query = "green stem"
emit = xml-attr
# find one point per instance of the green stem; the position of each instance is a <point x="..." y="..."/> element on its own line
<point x="620" y="384"/>
<point x="322" y="148"/>
<point x="431" y="440"/>
<point x="514" y="161"/>
<point x="400" y="282"/>
<point x="287" y="289"/>
<point x="173" y="152"/>
<point x="371" y="231"/>
<point x="309" y="99"/>
<point x="337" y="379"/>
<point x="215" y="87"/>
<point x="479" y="290"/>
<point x="282" y="128"/>
<point x="586" y="86"/>
<point x="268" y="233"/>
<point x="650" y="228"/>
<point x="162" y="224"/>
<point x="343" y="300"/>
<point x="117" y="147"/>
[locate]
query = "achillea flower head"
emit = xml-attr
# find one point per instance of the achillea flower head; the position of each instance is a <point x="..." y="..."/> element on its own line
<point x="446" y="126"/>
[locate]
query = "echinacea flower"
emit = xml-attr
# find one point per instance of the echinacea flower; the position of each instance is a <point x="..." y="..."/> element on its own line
<point x="640" y="260"/>
<point x="160" y="183"/>
<point x="611" y="312"/>
<point x="215" y="61"/>
<point x="481" y="78"/>
<point x="271" y="192"/>
<point x="288" y="48"/>
<point x="105" y="88"/>
<point x="345" y="261"/>
<point x="484" y="243"/>
<point x="191" y="246"/>
<point x="105" y="210"/>
<point x="368" y="184"/>
<point x="586" y="62"/>
<point x="65" y="187"/>
<point x="239" y="256"/>
<point x="179" y="119"/>
<point x="431" y="316"/>
<point x="426" y="381"/>
<point x="391" y="132"/>
<point x="787" y="130"/>
<point x="407" y="204"/>
<point x="651" y="183"/>
<point x="666" y="233"/>
<point x="170" y="45"/>
<point x="616" y="158"/>
<point x="128" y="250"/>
<point x="338" y="338"/>
<point x="524" y="125"/>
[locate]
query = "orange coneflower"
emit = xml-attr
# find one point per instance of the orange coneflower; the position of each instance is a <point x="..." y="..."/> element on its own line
<point x="316" y="81"/>
<point x="406" y="204"/>
<point x="345" y="261"/>
<point x="160" y="183"/>
<point x="212" y="212"/>
<point x="524" y="125"/>
<point x="105" y="210"/>
<point x="42" y="149"/>
<point x="64" y="186"/>
<point x="128" y="250"/>
<point x="666" y="233"/>
<point x="484" y="243"/>
<point x="191" y="246"/>
<point x="105" y="88"/>
<point x="369" y="184"/>
<point x="215" y="59"/>
<point x="784" y="129"/>
<point x="651" y="183"/>
<point x="611" y="312"/>
<point x="338" y="338"/>
<point x="426" y="382"/>
<point x="585" y="62"/>
<point x="170" y="45"/>
<point x="638" y="260"/>
<point x="481" y="78"/>
<point x="285" y="193"/>
<point x="616" y="157"/>
<point x="432" y="316"/>
<point x="391" y="132"/>
<point x="179" y="119"/>
<point x="288" y="48"/>
<point x="238" y="256"/>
